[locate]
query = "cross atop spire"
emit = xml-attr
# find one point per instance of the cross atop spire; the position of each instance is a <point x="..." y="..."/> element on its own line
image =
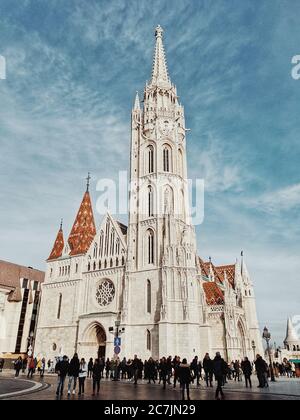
<point x="88" y="179"/>
<point x="160" y="76"/>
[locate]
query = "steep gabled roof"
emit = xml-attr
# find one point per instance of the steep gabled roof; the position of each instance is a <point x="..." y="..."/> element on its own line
<point x="58" y="246"/>
<point x="213" y="294"/>
<point x="230" y="273"/>
<point x="84" y="229"/>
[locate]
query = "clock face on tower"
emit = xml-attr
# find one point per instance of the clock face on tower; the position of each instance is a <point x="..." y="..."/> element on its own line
<point x="105" y="293"/>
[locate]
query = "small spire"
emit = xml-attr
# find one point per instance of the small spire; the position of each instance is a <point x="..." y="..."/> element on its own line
<point x="242" y="253"/>
<point x="61" y="224"/>
<point x="88" y="182"/>
<point x="137" y="106"/>
<point x="210" y="260"/>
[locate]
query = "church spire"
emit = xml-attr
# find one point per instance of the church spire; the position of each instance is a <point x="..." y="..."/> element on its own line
<point x="137" y="105"/>
<point x="58" y="244"/>
<point x="160" y="75"/>
<point x="84" y="229"/>
<point x="291" y="335"/>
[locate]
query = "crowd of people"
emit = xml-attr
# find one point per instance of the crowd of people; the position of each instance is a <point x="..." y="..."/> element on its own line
<point x="166" y="371"/>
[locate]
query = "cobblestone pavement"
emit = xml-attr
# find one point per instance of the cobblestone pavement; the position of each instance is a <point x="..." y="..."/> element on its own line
<point x="123" y="390"/>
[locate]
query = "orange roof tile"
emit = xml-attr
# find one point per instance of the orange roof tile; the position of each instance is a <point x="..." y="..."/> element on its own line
<point x="58" y="246"/>
<point x="230" y="273"/>
<point x="84" y="229"/>
<point x="214" y="295"/>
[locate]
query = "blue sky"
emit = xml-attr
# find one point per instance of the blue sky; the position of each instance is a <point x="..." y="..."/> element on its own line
<point x="72" y="71"/>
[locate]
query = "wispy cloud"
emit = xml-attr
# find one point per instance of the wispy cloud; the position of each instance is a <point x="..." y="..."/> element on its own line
<point x="280" y="200"/>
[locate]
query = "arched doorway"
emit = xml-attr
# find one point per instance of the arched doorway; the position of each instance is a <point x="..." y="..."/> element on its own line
<point x="95" y="340"/>
<point x="241" y="342"/>
<point x="101" y="339"/>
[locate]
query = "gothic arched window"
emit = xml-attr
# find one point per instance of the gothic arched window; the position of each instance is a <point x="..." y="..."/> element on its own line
<point x="148" y="340"/>
<point x="150" y="201"/>
<point x="118" y="246"/>
<point x="101" y="244"/>
<point x="150" y="246"/>
<point x="150" y="159"/>
<point x="180" y="162"/>
<point x="59" y="306"/>
<point x="167" y="156"/>
<point x="95" y="250"/>
<point x="149" y="296"/>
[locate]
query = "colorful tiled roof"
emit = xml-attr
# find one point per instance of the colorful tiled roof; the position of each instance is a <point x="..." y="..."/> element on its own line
<point x="84" y="229"/>
<point x="230" y="273"/>
<point x="58" y="246"/>
<point x="213" y="294"/>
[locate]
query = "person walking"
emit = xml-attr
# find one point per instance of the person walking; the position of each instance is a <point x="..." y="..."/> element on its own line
<point x="18" y="366"/>
<point x="73" y="374"/>
<point x="176" y="364"/>
<point x="90" y="368"/>
<point x="61" y="368"/>
<point x="31" y="367"/>
<point x="83" y="371"/>
<point x="97" y="372"/>
<point x="136" y="364"/>
<point x="261" y="371"/>
<point x="151" y="370"/>
<point x="107" y="368"/>
<point x="208" y="370"/>
<point x="247" y="371"/>
<point x="185" y="378"/>
<point x="163" y="371"/>
<point x="1" y="364"/>
<point x="237" y="371"/>
<point x="219" y="370"/>
<point x="195" y="370"/>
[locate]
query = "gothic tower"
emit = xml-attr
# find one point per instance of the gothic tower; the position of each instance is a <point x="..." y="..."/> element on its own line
<point x="162" y="297"/>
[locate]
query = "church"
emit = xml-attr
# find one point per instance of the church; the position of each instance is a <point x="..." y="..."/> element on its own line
<point x="147" y="277"/>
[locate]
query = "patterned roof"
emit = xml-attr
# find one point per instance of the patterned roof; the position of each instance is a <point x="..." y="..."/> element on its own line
<point x="230" y="273"/>
<point x="84" y="229"/>
<point x="213" y="294"/>
<point x="58" y="246"/>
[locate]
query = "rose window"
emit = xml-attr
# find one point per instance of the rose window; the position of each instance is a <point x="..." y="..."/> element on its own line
<point x="105" y="293"/>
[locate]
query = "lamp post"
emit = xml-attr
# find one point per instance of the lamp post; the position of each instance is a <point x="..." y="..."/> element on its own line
<point x="253" y="348"/>
<point x="267" y="336"/>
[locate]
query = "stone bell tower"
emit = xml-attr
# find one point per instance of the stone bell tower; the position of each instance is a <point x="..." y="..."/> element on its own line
<point x="162" y="298"/>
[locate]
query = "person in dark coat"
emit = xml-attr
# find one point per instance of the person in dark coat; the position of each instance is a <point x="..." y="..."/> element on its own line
<point x="137" y="367"/>
<point x="219" y="369"/>
<point x="151" y="370"/>
<point x="261" y="369"/>
<point x="1" y="364"/>
<point x="18" y="366"/>
<point x="73" y="373"/>
<point x="247" y="371"/>
<point x="185" y="378"/>
<point x="195" y="370"/>
<point x="90" y="368"/>
<point x="176" y="364"/>
<point x="62" y="369"/>
<point x="163" y="371"/>
<point x="97" y="373"/>
<point x="208" y="370"/>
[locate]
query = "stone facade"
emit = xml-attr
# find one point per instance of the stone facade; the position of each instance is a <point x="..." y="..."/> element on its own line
<point x="146" y="276"/>
<point x="19" y="304"/>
